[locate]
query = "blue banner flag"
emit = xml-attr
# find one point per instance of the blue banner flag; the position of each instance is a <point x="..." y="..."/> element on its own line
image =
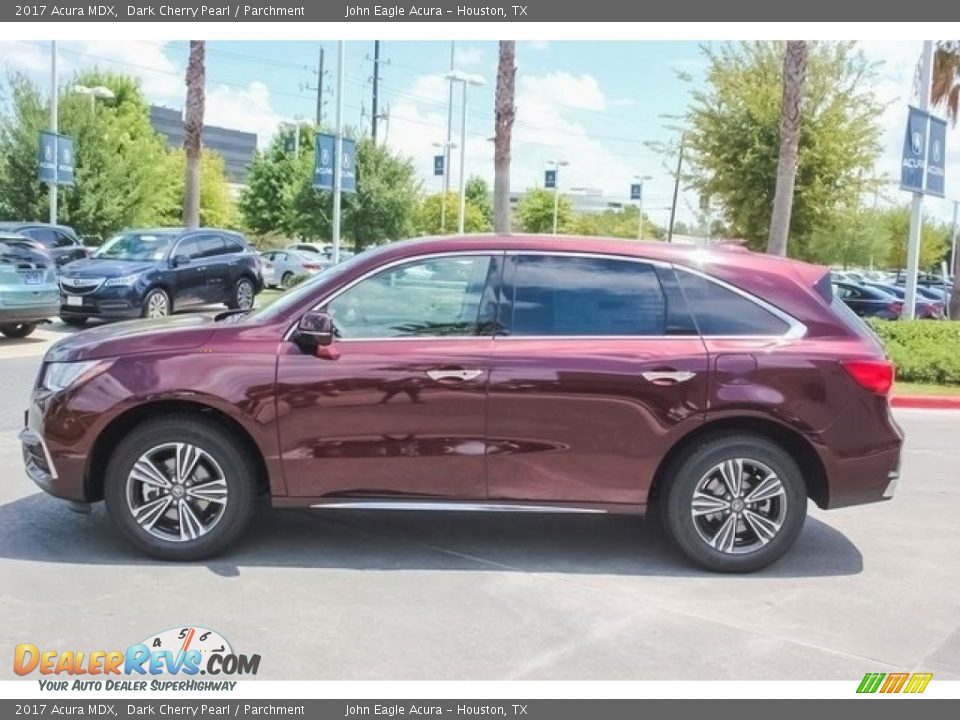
<point x="913" y="162"/>
<point x="937" y="157"/>
<point x="47" y="158"/>
<point x="64" y="160"/>
<point x="550" y="179"/>
<point x="348" y="167"/>
<point x="438" y="164"/>
<point x="636" y="191"/>
<point x="323" y="161"/>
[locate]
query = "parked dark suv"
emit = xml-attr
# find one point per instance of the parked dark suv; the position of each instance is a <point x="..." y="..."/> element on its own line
<point x="485" y="373"/>
<point x="152" y="273"/>
<point x="59" y="240"/>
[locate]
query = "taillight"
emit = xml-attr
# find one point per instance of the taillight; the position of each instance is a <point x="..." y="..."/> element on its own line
<point x="896" y="307"/>
<point x="876" y="376"/>
<point x="311" y="266"/>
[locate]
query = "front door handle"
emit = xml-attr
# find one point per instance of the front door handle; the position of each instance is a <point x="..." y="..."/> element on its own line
<point x="454" y="375"/>
<point x="668" y="377"/>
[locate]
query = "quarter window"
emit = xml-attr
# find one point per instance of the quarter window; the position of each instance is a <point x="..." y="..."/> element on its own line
<point x="566" y="295"/>
<point x="425" y="298"/>
<point x="721" y="311"/>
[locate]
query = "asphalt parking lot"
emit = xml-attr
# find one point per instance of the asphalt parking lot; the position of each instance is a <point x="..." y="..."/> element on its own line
<point x="329" y="596"/>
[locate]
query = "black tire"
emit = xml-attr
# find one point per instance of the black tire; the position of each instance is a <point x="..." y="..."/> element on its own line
<point x="693" y="467"/>
<point x="208" y="436"/>
<point x="74" y="321"/>
<point x="152" y="303"/>
<point x="243" y="288"/>
<point x="286" y="279"/>
<point x="18" y="330"/>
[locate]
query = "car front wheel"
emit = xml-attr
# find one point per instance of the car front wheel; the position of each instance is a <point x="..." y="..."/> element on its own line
<point x="18" y="330"/>
<point x="735" y="503"/>
<point x="178" y="489"/>
<point x="156" y="304"/>
<point x="242" y="296"/>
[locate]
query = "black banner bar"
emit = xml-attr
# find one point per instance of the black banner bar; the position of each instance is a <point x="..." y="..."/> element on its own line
<point x="511" y="11"/>
<point x="213" y="707"/>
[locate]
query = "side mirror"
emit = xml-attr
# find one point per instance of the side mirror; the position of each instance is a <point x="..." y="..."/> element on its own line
<point x="179" y="260"/>
<point x="314" y="330"/>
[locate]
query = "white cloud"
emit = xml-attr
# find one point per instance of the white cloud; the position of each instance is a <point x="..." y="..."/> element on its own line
<point x="564" y="89"/>
<point x="465" y="57"/>
<point x="248" y="109"/>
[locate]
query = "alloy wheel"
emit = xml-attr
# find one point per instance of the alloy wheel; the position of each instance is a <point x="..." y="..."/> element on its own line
<point x="738" y="506"/>
<point x="244" y="295"/>
<point x="158" y="305"/>
<point x="176" y="492"/>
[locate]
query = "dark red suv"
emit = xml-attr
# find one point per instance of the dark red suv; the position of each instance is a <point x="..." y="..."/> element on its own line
<point x="484" y="373"/>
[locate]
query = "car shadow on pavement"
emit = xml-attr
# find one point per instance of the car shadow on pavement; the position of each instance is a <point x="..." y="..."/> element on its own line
<point x="42" y="529"/>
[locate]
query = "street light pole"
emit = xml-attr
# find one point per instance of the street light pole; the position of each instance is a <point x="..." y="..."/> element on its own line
<point x="338" y="155"/>
<point x="641" y="178"/>
<point x="447" y="146"/>
<point x="53" y="127"/>
<point x="916" y="204"/>
<point x="557" y="164"/>
<point x="465" y="80"/>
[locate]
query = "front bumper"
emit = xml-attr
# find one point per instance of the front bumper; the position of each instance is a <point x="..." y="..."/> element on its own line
<point x="108" y="303"/>
<point x="36" y="459"/>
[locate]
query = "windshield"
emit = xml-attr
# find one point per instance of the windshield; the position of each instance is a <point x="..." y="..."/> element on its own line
<point x="297" y="294"/>
<point x="135" y="246"/>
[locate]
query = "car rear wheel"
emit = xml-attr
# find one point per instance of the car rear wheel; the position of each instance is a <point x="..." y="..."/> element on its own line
<point x="156" y="304"/>
<point x="243" y="295"/>
<point x="74" y="321"/>
<point x="735" y="503"/>
<point x="18" y="330"/>
<point x="287" y="279"/>
<point x="178" y="488"/>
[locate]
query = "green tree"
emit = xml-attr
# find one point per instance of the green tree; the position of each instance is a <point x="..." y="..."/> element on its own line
<point x="477" y="193"/>
<point x="535" y="212"/>
<point x="217" y="208"/>
<point x="122" y="169"/>
<point x="934" y="240"/>
<point x="623" y="223"/>
<point x="855" y="238"/>
<point x="733" y="136"/>
<point x="275" y="181"/>
<point x="427" y="220"/>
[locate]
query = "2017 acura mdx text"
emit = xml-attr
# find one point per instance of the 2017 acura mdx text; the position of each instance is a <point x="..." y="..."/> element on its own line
<point x="720" y="387"/>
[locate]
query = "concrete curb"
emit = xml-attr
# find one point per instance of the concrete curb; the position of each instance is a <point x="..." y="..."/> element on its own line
<point x="926" y="402"/>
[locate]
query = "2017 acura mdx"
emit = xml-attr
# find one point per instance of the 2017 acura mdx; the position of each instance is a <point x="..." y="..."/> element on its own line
<point x="723" y="387"/>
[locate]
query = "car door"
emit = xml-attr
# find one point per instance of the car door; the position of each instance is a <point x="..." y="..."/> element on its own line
<point x="396" y="407"/>
<point x="591" y="379"/>
<point x="190" y="279"/>
<point x="217" y="267"/>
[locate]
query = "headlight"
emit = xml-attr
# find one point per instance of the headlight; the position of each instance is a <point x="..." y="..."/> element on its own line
<point x="61" y="375"/>
<point x="125" y="281"/>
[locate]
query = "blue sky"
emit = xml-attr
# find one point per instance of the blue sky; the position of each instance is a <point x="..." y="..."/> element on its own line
<point x="594" y="104"/>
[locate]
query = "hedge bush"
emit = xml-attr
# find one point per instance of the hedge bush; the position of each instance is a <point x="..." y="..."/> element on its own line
<point x="924" y="351"/>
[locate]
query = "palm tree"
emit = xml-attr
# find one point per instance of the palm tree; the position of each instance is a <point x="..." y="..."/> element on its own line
<point x="945" y="93"/>
<point x="192" y="132"/>
<point x="505" y="113"/>
<point x="794" y="75"/>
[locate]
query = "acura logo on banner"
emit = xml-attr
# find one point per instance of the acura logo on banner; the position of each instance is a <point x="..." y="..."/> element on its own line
<point x="923" y="161"/>
<point x="323" y="163"/>
<point x="636" y="191"/>
<point x="438" y="164"/>
<point x="55" y="159"/>
<point x="550" y="179"/>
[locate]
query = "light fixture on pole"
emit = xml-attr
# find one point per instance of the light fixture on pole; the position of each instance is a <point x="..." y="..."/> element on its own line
<point x="446" y="147"/>
<point x="556" y="165"/>
<point x="465" y="79"/>
<point x="95" y="93"/>
<point x="642" y="179"/>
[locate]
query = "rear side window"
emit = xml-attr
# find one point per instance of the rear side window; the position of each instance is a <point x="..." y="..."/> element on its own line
<point x="232" y="244"/>
<point x="559" y="295"/>
<point x="211" y="246"/>
<point x="46" y="236"/>
<point x="721" y="311"/>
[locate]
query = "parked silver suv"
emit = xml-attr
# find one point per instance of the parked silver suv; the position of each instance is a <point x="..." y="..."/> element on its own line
<point x="28" y="285"/>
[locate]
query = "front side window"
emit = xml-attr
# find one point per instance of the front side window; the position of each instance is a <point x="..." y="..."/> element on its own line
<point x="569" y="296"/>
<point x="721" y="311"/>
<point x="424" y="298"/>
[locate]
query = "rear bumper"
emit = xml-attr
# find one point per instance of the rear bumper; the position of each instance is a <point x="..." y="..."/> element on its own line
<point x="29" y="313"/>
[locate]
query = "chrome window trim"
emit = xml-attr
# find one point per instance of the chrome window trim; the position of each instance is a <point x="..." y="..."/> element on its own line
<point x="795" y="330"/>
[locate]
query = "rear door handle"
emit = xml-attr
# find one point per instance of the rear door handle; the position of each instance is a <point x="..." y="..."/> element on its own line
<point x="454" y="374"/>
<point x="668" y="377"/>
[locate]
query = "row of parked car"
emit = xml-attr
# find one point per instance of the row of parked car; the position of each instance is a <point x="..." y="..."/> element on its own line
<point x="46" y="271"/>
<point x="882" y="295"/>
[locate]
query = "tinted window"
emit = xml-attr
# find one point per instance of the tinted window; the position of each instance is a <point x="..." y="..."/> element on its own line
<point x="232" y="244"/>
<point x="190" y="248"/>
<point x="135" y="246"/>
<point x="211" y="246"/>
<point x="46" y="236"/>
<point x="585" y="296"/>
<point x="434" y="297"/>
<point x="63" y="240"/>
<point x="720" y="311"/>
